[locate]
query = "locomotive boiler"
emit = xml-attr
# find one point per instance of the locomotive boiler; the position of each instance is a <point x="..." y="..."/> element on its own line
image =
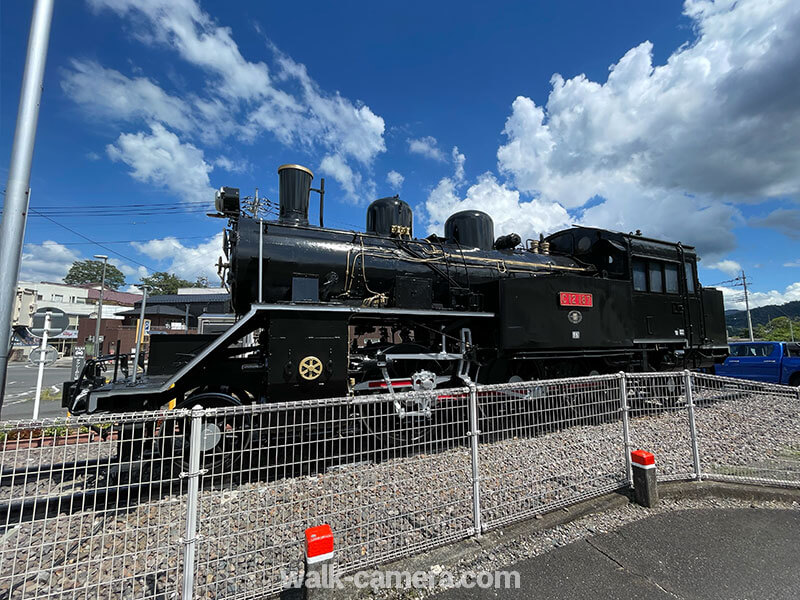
<point x="324" y="312"/>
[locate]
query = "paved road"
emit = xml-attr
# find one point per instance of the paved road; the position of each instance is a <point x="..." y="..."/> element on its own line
<point x="21" y="388"/>
<point x="703" y="553"/>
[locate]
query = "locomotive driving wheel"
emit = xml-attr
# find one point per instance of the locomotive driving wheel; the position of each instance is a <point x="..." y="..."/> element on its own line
<point x="223" y="438"/>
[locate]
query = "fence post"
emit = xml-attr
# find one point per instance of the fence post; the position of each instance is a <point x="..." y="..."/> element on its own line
<point x="687" y="382"/>
<point x="626" y="431"/>
<point x="476" y="482"/>
<point x="193" y="475"/>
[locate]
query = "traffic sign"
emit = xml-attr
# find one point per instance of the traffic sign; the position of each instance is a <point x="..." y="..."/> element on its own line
<point x="50" y="355"/>
<point x="59" y="321"/>
<point x="145" y="330"/>
<point x="78" y="361"/>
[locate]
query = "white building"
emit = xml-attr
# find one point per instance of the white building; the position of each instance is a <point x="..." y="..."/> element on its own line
<point x="75" y="301"/>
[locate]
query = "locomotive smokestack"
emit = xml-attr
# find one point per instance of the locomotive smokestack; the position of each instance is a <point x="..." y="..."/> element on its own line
<point x="295" y="186"/>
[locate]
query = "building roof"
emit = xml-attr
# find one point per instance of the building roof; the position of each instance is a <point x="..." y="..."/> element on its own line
<point x="110" y="295"/>
<point x="187" y="299"/>
<point x="156" y="310"/>
<point x="195" y="291"/>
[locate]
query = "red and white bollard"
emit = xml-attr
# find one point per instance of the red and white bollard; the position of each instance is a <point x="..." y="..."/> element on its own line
<point x="319" y="578"/>
<point x="644" y="478"/>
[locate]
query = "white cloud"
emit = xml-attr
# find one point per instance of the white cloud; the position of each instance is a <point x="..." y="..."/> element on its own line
<point x="734" y="298"/>
<point x="185" y="261"/>
<point x="511" y="214"/>
<point x="184" y="26"/>
<point x="131" y="272"/>
<point x="161" y="159"/>
<point x="666" y="147"/>
<point x="110" y="95"/>
<point x="48" y="261"/>
<point x="428" y="147"/>
<point x="243" y="98"/>
<point x="795" y="263"/>
<point x="223" y="162"/>
<point x="458" y="160"/>
<point x="730" y="267"/>
<point x="356" y="188"/>
<point x="395" y="179"/>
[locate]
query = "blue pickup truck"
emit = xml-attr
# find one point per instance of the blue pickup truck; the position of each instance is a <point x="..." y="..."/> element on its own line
<point x="770" y="362"/>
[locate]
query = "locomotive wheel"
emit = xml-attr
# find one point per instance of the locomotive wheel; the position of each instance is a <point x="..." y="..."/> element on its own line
<point x="223" y="438"/>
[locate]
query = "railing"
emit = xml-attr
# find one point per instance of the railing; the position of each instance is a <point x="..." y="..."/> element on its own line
<point x="212" y="503"/>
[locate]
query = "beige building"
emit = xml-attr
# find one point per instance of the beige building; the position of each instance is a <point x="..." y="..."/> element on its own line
<point x="76" y="301"/>
<point x="24" y="306"/>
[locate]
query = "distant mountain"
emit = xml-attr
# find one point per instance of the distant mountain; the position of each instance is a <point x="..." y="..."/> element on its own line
<point x="762" y="315"/>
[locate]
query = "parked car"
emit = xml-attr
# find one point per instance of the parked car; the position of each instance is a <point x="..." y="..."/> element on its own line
<point x="770" y="362"/>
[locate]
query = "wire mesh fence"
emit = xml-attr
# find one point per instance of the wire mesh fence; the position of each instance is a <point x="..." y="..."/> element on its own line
<point x="390" y="485"/>
<point x="548" y="444"/>
<point x="89" y="510"/>
<point x="658" y="414"/>
<point x="213" y="503"/>
<point x="748" y="431"/>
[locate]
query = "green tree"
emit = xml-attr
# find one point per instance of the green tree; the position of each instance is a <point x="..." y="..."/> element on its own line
<point x="162" y="282"/>
<point x="201" y="282"/>
<point x="778" y="330"/>
<point x="91" y="271"/>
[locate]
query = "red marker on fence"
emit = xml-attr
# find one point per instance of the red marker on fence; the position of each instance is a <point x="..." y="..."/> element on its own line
<point x="644" y="478"/>
<point x="319" y="579"/>
<point x="319" y="544"/>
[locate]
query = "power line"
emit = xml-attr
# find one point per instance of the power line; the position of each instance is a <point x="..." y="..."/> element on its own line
<point x="52" y="243"/>
<point x="88" y="239"/>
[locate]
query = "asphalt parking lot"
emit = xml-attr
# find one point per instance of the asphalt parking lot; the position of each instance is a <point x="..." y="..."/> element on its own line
<point x="21" y="389"/>
<point x="701" y="553"/>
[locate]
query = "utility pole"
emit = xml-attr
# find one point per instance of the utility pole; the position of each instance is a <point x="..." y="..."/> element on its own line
<point x="97" y="351"/>
<point x="747" y="306"/>
<point x="139" y="334"/>
<point x="15" y="208"/>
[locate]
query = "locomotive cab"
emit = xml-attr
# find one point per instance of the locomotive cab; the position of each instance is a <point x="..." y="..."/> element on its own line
<point x="672" y="315"/>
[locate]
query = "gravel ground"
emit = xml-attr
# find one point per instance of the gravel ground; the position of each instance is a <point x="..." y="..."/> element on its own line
<point x="379" y="511"/>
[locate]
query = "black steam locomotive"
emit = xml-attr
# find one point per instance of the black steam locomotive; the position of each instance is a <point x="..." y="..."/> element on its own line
<point x="325" y="312"/>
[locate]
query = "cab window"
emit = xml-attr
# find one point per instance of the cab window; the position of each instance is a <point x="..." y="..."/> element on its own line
<point x="690" y="277"/>
<point x="656" y="278"/>
<point x="671" y="278"/>
<point x="639" y="275"/>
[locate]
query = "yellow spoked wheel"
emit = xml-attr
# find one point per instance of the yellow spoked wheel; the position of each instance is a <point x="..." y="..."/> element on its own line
<point x="310" y="368"/>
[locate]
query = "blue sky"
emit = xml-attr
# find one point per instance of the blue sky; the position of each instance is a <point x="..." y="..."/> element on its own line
<point x="679" y="119"/>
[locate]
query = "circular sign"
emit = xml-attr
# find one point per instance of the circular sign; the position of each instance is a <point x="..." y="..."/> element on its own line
<point x="575" y="317"/>
<point x="50" y="355"/>
<point x="310" y="368"/>
<point x="59" y="321"/>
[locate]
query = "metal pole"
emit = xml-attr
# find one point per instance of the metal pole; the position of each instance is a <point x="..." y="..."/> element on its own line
<point x="186" y="318"/>
<point x="747" y="306"/>
<point x="15" y="208"/>
<point x="687" y="380"/>
<point x="626" y="428"/>
<point x="97" y="346"/>
<point x="42" y="358"/>
<point x="476" y="481"/>
<point x="139" y="331"/>
<point x="190" y="536"/>
<point x="260" y="260"/>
